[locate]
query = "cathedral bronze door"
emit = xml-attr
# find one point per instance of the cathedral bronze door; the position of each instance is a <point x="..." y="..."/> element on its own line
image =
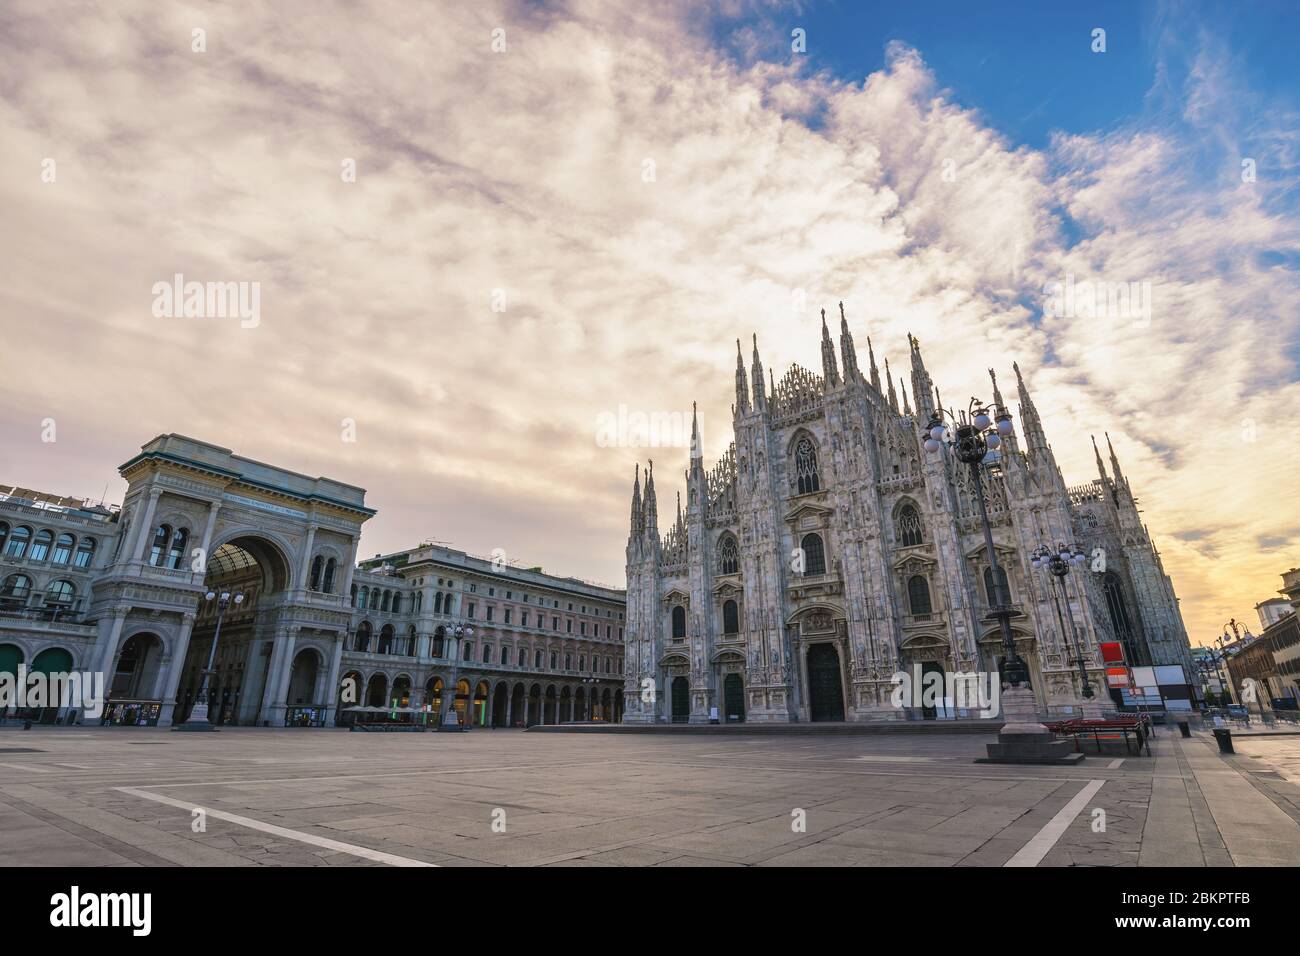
<point x="825" y="692"/>
<point x="681" y="700"/>
<point x="929" y="711"/>
<point x="733" y="699"/>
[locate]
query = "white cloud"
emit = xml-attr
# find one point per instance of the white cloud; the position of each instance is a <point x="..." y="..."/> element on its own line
<point x="523" y="171"/>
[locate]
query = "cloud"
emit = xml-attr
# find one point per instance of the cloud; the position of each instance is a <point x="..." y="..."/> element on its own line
<point x="525" y="177"/>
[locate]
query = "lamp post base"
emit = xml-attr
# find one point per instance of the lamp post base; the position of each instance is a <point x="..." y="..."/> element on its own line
<point x="1022" y="739"/>
<point x="197" y="721"/>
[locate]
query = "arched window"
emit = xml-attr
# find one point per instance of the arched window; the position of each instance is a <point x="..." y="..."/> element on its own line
<point x="328" y="584"/>
<point x="354" y="595"/>
<point x="553" y="660"/>
<point x="374" y="599"/>
<point x="317" y="569"/>
<point x="582" y="662"/>
<point x="85" y="552"/>
<point x="437" y="603"/>
<point x="918" y="596"/>
<point x="385" y="640"/>
<point x="60" y="594"/>
<point x="805" y="467"/>
<point x="814" y="555"/>
<point x="728" y="555"/>
<point x="365" y="599"/>
<point x="679" y="621"/>
<point x="908" y="528"/>
<point x="161" y="535"/>
<point x="568" y="662"/>
<point x="537" y="660"/>
<point x="41" y="545"/>
<point x="419" y="601"/>
<point x="438" y="641"/>
<point x="730" y="618"/>
<point x="487" y="653"/>
<point x="991" y="593"/>
<point x="397" y="602"/>
<point x="363" y="636"/>
<point x="523" y="657"/>
<point x="388" y="597"/>
<point x="63" y="549"/>
<point x="15" y="590"/>
<point x="18" y="542"/>
<point x="412" y="641"/>
<point x="4" y="536"/>
<point x="176" y="555"/>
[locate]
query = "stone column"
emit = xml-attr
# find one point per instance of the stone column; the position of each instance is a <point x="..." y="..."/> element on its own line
<point x="304" y="575"/>
<point x="173" y="682"/>
<point x="272" y="673"/>
<point x="146" y="525"/>
<point x="206" y="545"/>
<point x="332" y="686"/>
<point x="280" y="679"/>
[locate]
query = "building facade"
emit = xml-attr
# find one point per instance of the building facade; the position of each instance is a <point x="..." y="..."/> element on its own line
<point x="123" y="592"/>
<point x="827" y="550"/>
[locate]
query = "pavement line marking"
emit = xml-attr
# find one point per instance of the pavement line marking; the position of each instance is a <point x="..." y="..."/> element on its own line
<point x="23" y="766"/>
<point x="1115" y="764"/>
<point x="364" y="852"/>
<point x="1032" y="853"/>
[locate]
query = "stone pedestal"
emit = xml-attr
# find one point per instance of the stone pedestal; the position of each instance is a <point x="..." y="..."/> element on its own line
<point x="1023" y="739"/>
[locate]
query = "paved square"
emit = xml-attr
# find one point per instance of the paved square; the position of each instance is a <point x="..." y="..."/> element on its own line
<point x="126" y="797"/>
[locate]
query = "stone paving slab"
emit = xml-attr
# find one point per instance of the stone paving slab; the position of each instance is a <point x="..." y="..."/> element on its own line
<point x="632" y="800"/>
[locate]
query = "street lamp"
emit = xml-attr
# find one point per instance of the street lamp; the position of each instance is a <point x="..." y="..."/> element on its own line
<point x="1057" y="562"/>
<point x="458" y="633"/>
<point x="198" y="719"/>
<point x="979" y="431"/>
<point x="1022" y="739"/>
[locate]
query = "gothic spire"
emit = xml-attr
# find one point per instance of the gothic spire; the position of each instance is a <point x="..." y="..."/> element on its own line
<point x="847" y="352"/>
<point x="829" y="369"/>
<point x="893" y="396"/>
<point x="636" y="497"/>
<point x="907" y="408"/>
<point x="1114" y="462"/>
<point x="742" y="382"/>
<point x="997" y="392"/>
<point x="875" y="375"/>
<point x="1035" y="439"/>
<point x="651" y="504"/>
<point x="697" y="448"/>
<point x="1101" y="469"/>
<point x="922" y="386"/>
<point x="760" y="399"/>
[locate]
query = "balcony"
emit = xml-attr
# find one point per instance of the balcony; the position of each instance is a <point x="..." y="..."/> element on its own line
<point x="933" y="618"/>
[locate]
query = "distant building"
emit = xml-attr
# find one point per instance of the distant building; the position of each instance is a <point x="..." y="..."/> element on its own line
<point x="1273" y="610"/>
<point x="122" y="591"/>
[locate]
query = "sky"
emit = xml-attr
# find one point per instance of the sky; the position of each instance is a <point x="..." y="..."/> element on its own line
<point x="479" y="231"/>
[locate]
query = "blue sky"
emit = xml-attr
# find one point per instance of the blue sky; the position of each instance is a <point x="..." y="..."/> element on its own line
<point x="1029" y="67"/>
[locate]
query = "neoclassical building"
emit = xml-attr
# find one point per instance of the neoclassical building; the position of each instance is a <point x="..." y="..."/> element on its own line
<point x="123" y="592"/>
<point x="828" y="550"/>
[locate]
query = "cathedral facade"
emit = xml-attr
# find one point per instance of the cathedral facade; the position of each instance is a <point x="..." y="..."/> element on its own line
<point x="828" y="550"/>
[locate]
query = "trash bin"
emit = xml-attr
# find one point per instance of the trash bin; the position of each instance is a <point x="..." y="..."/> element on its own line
<point x="1184" y="728"/>
<point x="1224" y="739"/>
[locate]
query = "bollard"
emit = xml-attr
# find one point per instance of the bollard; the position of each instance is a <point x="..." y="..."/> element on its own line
<point x="1224" y="739"/>
<point x="1184" y="728"/>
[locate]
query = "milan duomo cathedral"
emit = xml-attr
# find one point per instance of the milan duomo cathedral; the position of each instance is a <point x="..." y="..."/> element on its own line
<point x="828" y="550"/>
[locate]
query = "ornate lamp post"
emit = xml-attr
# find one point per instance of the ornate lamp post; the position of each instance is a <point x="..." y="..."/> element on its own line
<point x="1022" y="739"/>
<point x="1057" y="562"/>
<point x="458" y="633"/>
<point x="198" y="719"/>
